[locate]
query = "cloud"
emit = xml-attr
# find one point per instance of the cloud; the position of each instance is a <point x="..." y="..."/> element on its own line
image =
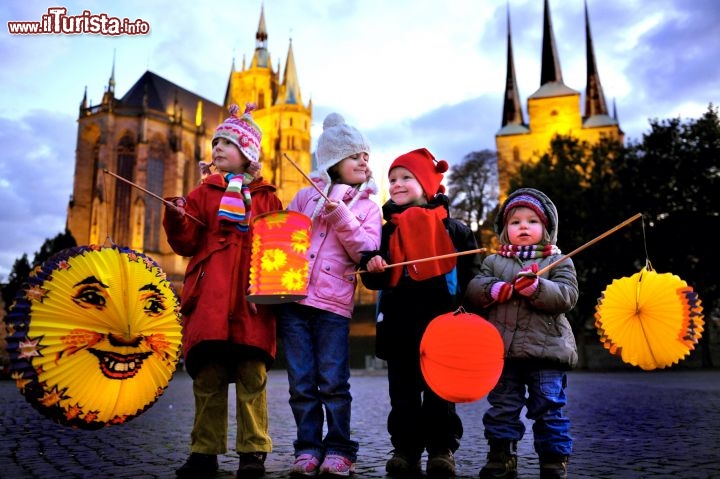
<point x="35" y="181"/>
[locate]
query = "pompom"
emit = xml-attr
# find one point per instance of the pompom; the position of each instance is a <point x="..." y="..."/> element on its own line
<point x="441" y="166"/>
<point x="333" y="119"/>
<point x="233" y="110"/>
<point x="250" y="107"/>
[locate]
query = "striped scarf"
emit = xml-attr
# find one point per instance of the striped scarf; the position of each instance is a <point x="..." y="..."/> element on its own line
<point x="528" y="252"/>
<point x="235" y="203"/>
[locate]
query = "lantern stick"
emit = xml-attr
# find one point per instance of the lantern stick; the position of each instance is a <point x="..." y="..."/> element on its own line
<point x="589" y="243"/>
<point x="308" y="178"/>
<point x="168" y="203"/>
<point x="433" y="258"/>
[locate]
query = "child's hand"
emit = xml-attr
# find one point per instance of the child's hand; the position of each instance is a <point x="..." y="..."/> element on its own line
<point x="376" y="264"/>
<point x="177" y="205"/>
<point x="501" y="291"/>
<point x="330" y="206"/>
<point x="526" y="281"/>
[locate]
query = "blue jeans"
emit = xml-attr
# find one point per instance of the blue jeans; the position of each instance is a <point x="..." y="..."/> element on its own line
<point x="316" y="346"/>
<point x="542" y="391"/>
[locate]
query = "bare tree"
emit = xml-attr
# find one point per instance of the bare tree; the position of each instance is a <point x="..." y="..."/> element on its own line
<point x="473" y="189"/>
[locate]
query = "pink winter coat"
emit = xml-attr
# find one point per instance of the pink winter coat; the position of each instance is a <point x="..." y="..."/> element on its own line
<point x="217" y="323"/>
<point x="337" y="243"/>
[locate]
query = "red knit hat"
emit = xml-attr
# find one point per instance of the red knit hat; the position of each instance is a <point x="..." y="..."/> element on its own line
<point x="428" y="171"/>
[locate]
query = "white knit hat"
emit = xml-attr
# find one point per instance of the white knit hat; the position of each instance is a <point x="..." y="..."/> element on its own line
<point x="337" y="141"/>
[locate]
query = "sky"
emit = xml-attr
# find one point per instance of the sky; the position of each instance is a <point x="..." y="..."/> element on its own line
<point x="407" y="73"/>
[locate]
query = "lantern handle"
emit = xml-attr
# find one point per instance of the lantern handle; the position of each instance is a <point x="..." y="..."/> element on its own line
<point x="308" y="178"/>
<point x="431" y="258"/>
<point x="589" y="243"/>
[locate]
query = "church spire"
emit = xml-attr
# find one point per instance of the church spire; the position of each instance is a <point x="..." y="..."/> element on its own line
<point x="594" y="96"/>
<point x="550" y="61"/>
<point x="290" y="80"/>
<point x="111" y="82"/>
<point x="261" y="58"/>
<point x="512" y="111"/>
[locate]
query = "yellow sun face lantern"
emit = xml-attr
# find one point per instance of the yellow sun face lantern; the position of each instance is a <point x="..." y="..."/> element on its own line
<point x="94" y="337"/>
<point x="279" y="264"/>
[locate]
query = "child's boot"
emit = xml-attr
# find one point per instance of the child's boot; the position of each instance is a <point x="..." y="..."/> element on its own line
<point x="501" y="461"/>
<point x="553" y="466"/>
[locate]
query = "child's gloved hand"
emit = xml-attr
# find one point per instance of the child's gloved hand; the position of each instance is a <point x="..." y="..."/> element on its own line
<point x="526" y="281"/>
<point x="501" y="291"/>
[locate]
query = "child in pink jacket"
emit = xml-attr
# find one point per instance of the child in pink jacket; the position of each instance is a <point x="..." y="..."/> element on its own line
<point x="314" y="332"/>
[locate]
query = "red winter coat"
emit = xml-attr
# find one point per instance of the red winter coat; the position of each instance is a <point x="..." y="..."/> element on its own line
<point x="217" y="323"/>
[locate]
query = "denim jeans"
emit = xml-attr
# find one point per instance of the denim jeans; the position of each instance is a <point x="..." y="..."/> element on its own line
<point x="316" y="346"/>
<point x="542" y="391"/>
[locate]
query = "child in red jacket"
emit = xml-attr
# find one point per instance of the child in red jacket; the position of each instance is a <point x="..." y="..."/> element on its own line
<point x="226" y="339"/>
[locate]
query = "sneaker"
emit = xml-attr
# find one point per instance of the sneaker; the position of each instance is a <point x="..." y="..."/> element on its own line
<point x="337" y="465"/>
<point x="441" y="465"/>
<point x="252" y="465"/>
<point x="402" y="465"/>
<point x="198" y="466"/>
<point x="305" y="465"/>
<point x="553" y="467"/>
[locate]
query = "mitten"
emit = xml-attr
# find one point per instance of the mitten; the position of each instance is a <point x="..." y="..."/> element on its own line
<point x="501" y="291"/>
<point x="526" y="281"/>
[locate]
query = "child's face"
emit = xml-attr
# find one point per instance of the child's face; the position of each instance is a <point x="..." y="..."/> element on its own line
<point x="405" y="189"/>
<point x="524" y="227"/>
<point x="353" y="170"/>
<point x="227" y="157"/>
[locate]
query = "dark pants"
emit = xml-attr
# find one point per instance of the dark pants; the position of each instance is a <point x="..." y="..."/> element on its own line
<point x="419" y="419"/>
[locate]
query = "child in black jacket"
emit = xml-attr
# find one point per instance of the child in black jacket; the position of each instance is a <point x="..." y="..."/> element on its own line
<point x="417" y="226"/>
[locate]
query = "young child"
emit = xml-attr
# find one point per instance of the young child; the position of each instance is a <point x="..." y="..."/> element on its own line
<point x="417" y="226"/>
<point x="529" y="311"/>
<point x="315" y="331"/>
<point x="225" y="338"/>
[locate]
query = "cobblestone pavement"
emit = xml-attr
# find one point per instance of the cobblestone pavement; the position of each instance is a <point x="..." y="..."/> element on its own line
<point x="659" y="424"/>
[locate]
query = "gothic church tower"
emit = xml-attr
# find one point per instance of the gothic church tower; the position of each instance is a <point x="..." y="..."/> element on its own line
<point x="553" y="109"/>
<point x="156" y="135"/>
<point x="283" y="118"/>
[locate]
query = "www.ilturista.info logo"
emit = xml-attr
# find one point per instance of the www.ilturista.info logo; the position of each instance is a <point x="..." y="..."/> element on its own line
<point x="57" y="21"/>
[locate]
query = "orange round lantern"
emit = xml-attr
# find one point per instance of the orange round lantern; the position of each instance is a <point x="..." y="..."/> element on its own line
<point x="278" y="263"/>
<point x="461" y="356"/>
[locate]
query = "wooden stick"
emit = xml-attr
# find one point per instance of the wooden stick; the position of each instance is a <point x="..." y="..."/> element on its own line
<point x="589" y="243"/>
<point x="168" y="203"/>
<point x="307" y="178"/>
<point x="432" y="258"/>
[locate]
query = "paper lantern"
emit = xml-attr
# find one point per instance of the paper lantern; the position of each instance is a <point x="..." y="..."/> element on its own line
<point x="461" y="356"/>
<point x="278" y="263"/>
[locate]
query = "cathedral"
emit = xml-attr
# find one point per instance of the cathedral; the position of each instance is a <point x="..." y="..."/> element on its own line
<point x="156" y="135"/>
<point x="552" y="109"/>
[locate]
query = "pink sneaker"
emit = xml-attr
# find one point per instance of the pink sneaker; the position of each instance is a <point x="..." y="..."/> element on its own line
<point x="337" y="466"/>
<point x="305" y="465"/>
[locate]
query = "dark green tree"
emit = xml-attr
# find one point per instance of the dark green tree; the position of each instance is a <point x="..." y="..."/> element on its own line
<point x="18" y="275"/>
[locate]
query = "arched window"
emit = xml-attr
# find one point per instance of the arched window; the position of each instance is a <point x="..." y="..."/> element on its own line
<point x="153" y="209"/>
<point x="121" y="212"/>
